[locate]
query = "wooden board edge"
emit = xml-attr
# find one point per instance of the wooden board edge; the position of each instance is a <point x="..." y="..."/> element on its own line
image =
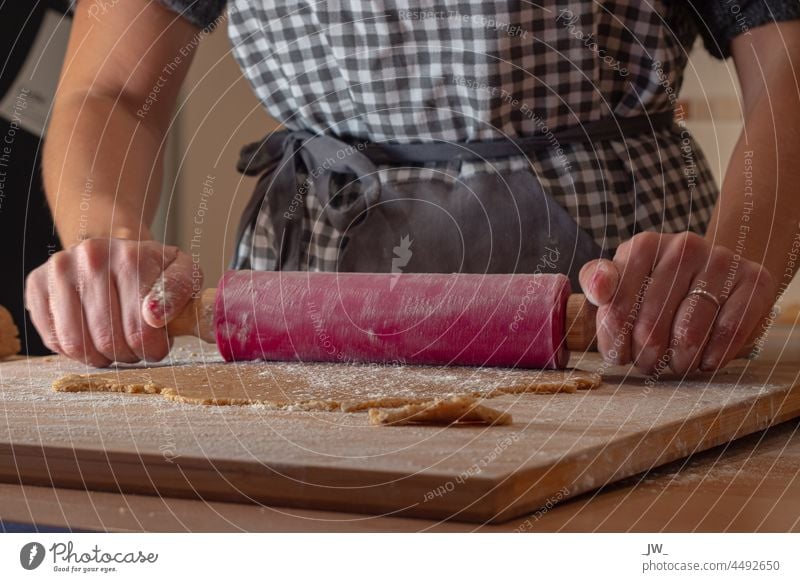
<point x="750" y="417"/>
<point x="418" y="495"/>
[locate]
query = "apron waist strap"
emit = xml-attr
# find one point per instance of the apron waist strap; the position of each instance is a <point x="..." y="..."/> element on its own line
<point x="255" y="158"/>
<point x="609" y="128"/>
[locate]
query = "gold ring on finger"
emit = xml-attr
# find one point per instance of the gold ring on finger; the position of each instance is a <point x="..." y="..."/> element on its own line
<point x="710" y="296"/>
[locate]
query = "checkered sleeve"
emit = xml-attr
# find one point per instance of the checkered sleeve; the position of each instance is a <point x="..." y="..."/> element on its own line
<point x="720" y="21"/>
<point x="201" y="13"/>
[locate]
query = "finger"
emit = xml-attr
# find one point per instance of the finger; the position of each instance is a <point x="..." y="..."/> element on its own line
<point x="694" y="320"/>
<point x="71" y="328"/>
<point x="752" y="346"/>
<point x="634" y="260"/>
<point x="100" y="311"/>
<point x="103" y="316"/>
<point x="671" y="278"/>
<point x="137" y="268"/>
<point x="692" y="327"/>
<point x="742" y="312"/>
<point x="38" y="306"/>
<point x="171" y="291"/>
<point x="599" y="280"/>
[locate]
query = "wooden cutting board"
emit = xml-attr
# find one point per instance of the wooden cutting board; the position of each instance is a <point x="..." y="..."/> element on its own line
<point x="558" y="446"/>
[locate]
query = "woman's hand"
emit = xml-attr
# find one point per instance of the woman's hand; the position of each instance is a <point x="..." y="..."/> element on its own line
<point x="648" y="315"/>
<point x="106" y="299"/>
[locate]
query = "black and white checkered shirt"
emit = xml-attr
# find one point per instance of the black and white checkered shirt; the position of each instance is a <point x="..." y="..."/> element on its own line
<point x="472" y="70"/>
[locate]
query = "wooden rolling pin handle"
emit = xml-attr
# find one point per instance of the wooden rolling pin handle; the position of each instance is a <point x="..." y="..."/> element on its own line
<point x="580" y="324"/>
<point x="197" y="318"/>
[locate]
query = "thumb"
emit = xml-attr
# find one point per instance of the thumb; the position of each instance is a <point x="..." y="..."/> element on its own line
<point x="172" y="291"/>
<point x="599" y="280"/>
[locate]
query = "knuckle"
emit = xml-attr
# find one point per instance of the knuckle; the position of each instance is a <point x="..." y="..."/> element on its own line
<point x="721" y="261"/>
<point x="169" y="252"/>
<point x="645" y="332"/>
<point x="158" y="254"/>
<point x="128" y="263"/>
<point x="722" y="254"/>
<point x="637" y="245"/>
<point x="60" y="265"/>
<point x="693" y="246"/>
<point x="128" y="253"/>
<point x="763" y="281"/>
<point x="611" y="318"/>
<point x="647" y="238"/>
<point x="690" y="238"/>
<point x="623" y="250"/>
<point x="94" y="253"/>
<point x="636" y="263"/>
<point x="669" y="264"/>
<point x="758" y="286"/>
<point x="105" y="344"/>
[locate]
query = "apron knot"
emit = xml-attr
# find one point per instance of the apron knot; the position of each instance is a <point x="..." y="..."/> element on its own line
<point x="325" y="161"/>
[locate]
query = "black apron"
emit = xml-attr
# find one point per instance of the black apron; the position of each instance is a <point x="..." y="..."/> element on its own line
<point x="488" y="223"/>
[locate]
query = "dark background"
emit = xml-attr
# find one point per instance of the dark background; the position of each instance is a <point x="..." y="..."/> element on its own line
<point x="27" y="236"/>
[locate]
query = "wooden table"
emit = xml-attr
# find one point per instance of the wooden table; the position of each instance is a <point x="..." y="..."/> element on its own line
<point x="752" y="484"/>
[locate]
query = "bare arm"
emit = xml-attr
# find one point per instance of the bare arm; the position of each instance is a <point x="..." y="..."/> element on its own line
<point x="103" y="154"/>
<point x="108" y="295"/>
<point x="758" y="212"/>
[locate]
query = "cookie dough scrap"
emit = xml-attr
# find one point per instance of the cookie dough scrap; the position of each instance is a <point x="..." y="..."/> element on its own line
<point x="9" y="335"/>
<point x="324" y="387"/>
<point x="442" y="411"/>
<point x="102" y="383"/>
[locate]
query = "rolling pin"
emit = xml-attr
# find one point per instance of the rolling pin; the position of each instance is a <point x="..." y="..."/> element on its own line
<point x="519" y="320"/>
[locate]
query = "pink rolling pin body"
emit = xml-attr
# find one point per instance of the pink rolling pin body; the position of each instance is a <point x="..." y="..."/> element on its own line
<point x="439" y="319"/>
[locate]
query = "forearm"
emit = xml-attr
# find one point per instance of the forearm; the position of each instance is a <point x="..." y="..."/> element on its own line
<point x="102" y="169"/>
<point x="758" y="212"/>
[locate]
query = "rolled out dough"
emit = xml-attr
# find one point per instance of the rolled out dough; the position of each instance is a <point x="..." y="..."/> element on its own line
<point x="331" y="387"/>
<point x="440" y="411"/>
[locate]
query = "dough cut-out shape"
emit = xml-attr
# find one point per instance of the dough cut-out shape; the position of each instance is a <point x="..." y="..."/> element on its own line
<point x="327" y="387"/>
<point x="441" y="411"/>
